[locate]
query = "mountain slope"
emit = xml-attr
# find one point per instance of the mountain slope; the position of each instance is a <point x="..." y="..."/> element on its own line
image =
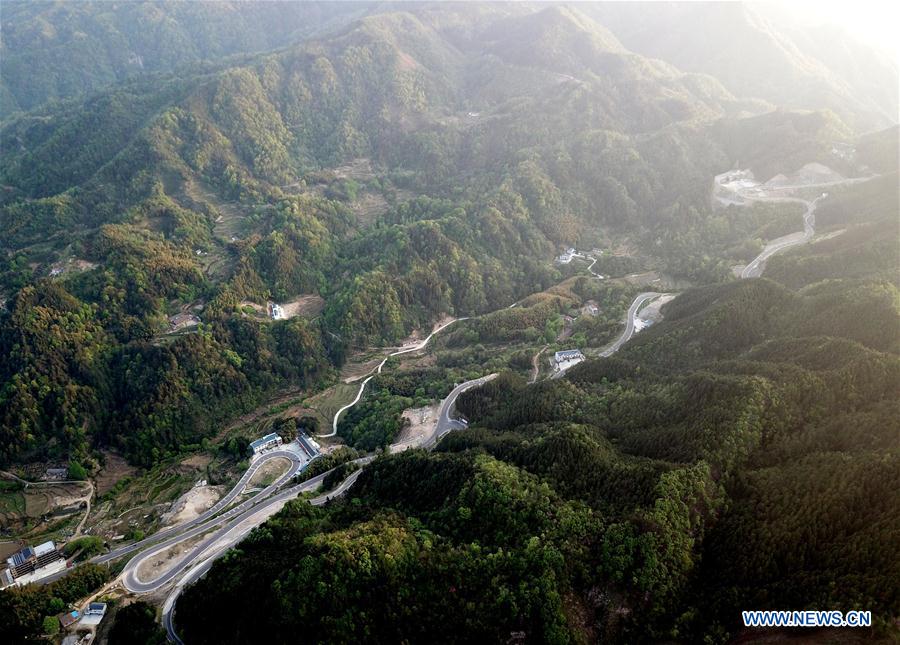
<point x="484" y="145"/>
<point x="54" y="50"/>
<point x="757" y="52"/>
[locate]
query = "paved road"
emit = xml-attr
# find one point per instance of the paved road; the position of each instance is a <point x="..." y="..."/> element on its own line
<point x="629" y="322"/>
<point x="591" y="269"/>
<point x="758" y="264"/>
<point x="212" y="511"/>
<point x="626" y="334"/>
<point x="445" y="423"/>
<point x="231" y="535"/>
<point x="235" y="516"/>
<point x="756" y="267"/>
<point x="414" y="348"/>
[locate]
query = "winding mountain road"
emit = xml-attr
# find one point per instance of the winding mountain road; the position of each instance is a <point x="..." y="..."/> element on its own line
<point x="234" y="533"/>
<point x="591" y="269"/>
<point x="198" y="561"/>
<point x="230" y="527"/>
<point x="777" y="194"/>
<point x="755" y="268"/>
<point x="414" y="348"/>
<point x="628" y="332"/>
<point x="130" y="577"/>
<point x="178" y="529"/>
<point x="445" y="423"/>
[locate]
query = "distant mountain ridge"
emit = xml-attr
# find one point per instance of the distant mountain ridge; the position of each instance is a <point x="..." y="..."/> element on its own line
<point x="754" y="54"/>
<point x="53" y="50"/>
<point x="406" y="165"/>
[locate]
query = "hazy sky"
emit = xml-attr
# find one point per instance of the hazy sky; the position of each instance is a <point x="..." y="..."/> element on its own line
<point x="877" y="21"/>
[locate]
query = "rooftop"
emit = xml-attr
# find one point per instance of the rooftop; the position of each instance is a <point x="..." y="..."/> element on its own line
<point x="46" y="547"/>
<point x="68" y="618"/>
<point x="261" y="442"/>
<point x="21" y="556"/>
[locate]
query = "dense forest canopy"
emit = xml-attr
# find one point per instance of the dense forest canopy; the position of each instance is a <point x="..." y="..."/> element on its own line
<point x="482" y="150"/>
<point x="742" y="454"/>
<point x="170" y="170"/>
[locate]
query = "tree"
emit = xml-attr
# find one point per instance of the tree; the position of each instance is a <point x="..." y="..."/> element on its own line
<point x="135" y="624"/>
<point x="76" y="470"/>
<point x="51" y="625"/>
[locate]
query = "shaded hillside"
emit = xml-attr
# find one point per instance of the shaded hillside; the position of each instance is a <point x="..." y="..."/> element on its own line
<point x="757" y="51"/>
<point x="641" y="498"/>
<point x="55" y="50"/>
<point x="487" y="140"/>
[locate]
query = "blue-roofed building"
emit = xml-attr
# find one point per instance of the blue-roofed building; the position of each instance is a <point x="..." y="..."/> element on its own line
<point x="32" y="563"/>
<point x="308" y="445"/>
<point x="68" y="618"/>
<point x="271" y="440"/>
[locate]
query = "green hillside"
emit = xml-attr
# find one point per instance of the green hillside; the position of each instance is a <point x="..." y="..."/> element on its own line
<point x="646" y="497"/>
<point x="55" y="50"/>
<point x="171" y="170"/>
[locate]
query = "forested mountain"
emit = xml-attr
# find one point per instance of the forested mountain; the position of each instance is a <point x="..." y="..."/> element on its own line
<point x="755" y="50"/>
<point x="742" y="454"/>
<point x="413" y="163"/>
<point x="167" y="170"/>
<point x="208" y="188"/>
<point x="55" y="50"/>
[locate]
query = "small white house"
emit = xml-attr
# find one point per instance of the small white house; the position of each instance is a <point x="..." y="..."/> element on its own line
<point x="271" y="440"/>
<point x="568" y="355"/>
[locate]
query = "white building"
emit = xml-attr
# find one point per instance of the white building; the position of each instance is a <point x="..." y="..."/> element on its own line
<point x="308" y="445"/>
<point x="271" y="440"/>
<point x="93" y="614"/>
<point x="568" y="355"/>
<point x="32" y="564"/>
<point x="567" y="358"/>
<point x="567" y="256"/>
<point x="276" y="311"/>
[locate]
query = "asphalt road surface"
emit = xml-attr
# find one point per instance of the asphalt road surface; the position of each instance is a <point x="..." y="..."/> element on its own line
<point x="234" y="517"/>
<point x="445" y="423"/>
<point x="218" y="506"/>
<point x="230" y="535"/>
<point x="362" y="387"/>
<point x="629" y="323"/>
<point x="758" y="265"/>
<point x="626" y="334"/>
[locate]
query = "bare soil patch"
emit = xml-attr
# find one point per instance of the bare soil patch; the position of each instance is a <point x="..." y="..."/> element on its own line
<point x="8" y="547"/>
<point x="194" y="502"/>
<point x="114" y="469"/>
<point x="421" y="423"/>
<point x="156" y="566"/>
<point x="269" y="472"/>
<point x="56" y="497"/>
<point x="307" y="305"/>
<point x="198" y="460"/>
